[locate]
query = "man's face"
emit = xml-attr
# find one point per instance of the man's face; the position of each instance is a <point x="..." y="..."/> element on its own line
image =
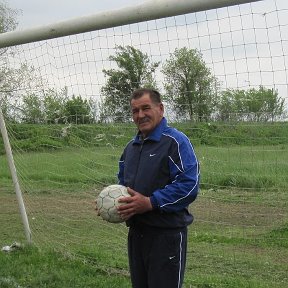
<point x="146" y="114"/>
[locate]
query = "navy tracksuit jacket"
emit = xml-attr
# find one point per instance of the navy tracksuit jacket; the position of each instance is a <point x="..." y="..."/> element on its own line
<point x="164" y="167"/>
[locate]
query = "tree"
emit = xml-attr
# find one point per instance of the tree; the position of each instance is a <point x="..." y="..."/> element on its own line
<point x="32" y="109"/>
<point x="8" y="16"/>
<point x="264" y="104"/>
<point x="7" y="23"/>
<point x="11" y="78"/>
<point x="54" y="105"/>
<point x="231" y="105"/>
<point x="77" y="110"/>
<point x="135" y="70"/>
<point x="12" y="82"/>
<point x="189" y="84"/>
<point x="261" y="104"/>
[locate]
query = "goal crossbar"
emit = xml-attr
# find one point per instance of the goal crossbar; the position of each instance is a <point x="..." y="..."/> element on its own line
<point x="150" y="10"/>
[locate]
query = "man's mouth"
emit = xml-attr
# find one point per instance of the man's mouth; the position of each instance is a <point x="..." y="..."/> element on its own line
<point x="144" y="121"/>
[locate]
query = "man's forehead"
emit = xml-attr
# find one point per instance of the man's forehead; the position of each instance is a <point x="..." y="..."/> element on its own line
<point x="142" y="101"/>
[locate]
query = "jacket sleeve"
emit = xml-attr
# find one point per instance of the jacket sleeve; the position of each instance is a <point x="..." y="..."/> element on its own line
<point x="184" y="174"/>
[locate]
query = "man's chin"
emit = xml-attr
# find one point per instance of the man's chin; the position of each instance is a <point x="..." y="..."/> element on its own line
<point x="144" y="130"/>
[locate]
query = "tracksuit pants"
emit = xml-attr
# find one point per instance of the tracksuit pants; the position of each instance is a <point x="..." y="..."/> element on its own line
<point x="157" y="257"/>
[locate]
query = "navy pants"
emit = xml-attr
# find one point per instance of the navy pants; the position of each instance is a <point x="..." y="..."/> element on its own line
<point x="157" y="257"/>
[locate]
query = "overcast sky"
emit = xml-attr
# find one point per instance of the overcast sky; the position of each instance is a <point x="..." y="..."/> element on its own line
<point x="42" y="12"/>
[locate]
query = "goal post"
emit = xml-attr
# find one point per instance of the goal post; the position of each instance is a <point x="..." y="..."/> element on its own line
<point x="149" y="10"/>
<point x="13" y="171"/>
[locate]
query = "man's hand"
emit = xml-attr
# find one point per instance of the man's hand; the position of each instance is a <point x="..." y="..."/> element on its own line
<point x="136" y="204"/>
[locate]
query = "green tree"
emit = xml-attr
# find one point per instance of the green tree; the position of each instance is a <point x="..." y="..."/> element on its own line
<point x="8" y="22"/>
<point x="77" y="110"/>
<point x="12" y="82"/>
<point x="54" y="105"/>
<point x="17" y="78"/>
<point x="189" y="84"/>
<point x="231" y="105"/>
<point x="32" y="109"/>
<point x="264" y="104"/>
<point x="135" y="70"/>
<point x="261" y="104"/>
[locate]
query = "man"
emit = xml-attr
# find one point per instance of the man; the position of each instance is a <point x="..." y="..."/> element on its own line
<point x="161" y="171"/>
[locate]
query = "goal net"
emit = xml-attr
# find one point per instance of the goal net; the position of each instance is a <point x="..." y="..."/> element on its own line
<point x="223" y="77"/>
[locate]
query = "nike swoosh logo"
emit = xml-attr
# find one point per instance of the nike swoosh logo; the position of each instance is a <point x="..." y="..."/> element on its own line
<point x="151" y="155"/>
<point x="171" y="257"/>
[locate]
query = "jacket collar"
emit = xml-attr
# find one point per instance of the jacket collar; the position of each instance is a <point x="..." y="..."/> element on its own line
<point x="155" y="135"/>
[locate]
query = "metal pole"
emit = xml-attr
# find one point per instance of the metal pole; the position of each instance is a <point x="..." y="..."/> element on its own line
<point x="149" y="10"/>
<point x="14" y="177"/>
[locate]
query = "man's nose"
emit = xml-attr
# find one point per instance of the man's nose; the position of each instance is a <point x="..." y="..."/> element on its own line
<point x="141" y="113"/>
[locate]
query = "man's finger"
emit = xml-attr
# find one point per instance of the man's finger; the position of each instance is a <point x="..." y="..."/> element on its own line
<point x="125" y="200"/>
<point x="131" y="191"/>
<point x="126" y="216"/>
<point x="124" y="207"/>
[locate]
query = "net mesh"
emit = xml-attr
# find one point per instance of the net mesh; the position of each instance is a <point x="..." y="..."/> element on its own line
<point x="67" y="140"/>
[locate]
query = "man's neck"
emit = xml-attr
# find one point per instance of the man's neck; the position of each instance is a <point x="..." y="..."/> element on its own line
<point x="142" y="137"/>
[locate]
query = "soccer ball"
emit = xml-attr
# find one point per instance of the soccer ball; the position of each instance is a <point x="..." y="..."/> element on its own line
<point x="107" y="201"/>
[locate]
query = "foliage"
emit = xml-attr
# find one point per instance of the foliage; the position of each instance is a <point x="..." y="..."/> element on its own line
<point x="7" y="23"/>
<point x="42" y="137"/>
<point x="40" y="107"/>
<point x="16" y="78"/>
<point x="8" y="20"/>
<point x="52" y="107"/>
<point x="32" y="109"/>
<point x="261" y="104"/>
<point x="135" y="70"/>
<point x="189" y="84"/>
<point x="77" y="110"/>
<point x="12" y="82"/>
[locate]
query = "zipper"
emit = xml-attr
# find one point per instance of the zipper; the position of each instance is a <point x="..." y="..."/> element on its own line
<point x="139" y="158"/>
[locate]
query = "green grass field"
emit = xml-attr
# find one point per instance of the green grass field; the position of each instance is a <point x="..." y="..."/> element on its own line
<point x="239" y="237"/>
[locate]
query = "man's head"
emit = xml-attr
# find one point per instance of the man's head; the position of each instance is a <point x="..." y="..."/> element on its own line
<point x="147" y="109"/>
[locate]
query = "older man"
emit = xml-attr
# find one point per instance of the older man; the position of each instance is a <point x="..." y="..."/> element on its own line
<point x="161" y="171"/>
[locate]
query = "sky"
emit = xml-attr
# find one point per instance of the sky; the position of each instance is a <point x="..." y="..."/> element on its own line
<point x="42" y="12"/>
<point x="245" y="45"/>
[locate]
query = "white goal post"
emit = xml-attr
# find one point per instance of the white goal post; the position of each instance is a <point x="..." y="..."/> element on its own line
<point x="149" y="10"/>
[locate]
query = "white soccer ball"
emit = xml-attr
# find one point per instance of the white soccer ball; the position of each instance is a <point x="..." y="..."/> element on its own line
<point x="107" y="201"/>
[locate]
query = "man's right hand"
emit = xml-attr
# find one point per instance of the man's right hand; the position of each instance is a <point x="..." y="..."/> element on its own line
<point x="136" y="204"/>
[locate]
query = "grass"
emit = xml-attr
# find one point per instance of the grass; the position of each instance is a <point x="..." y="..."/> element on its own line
<point x="31" y="267"/>
<point x="228" y="247"/>
<point x="247" y="167"/>
<point x="238" y="239"/>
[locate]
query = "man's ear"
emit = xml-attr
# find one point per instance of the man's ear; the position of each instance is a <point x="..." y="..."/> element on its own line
<point x="161" y="108"/>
